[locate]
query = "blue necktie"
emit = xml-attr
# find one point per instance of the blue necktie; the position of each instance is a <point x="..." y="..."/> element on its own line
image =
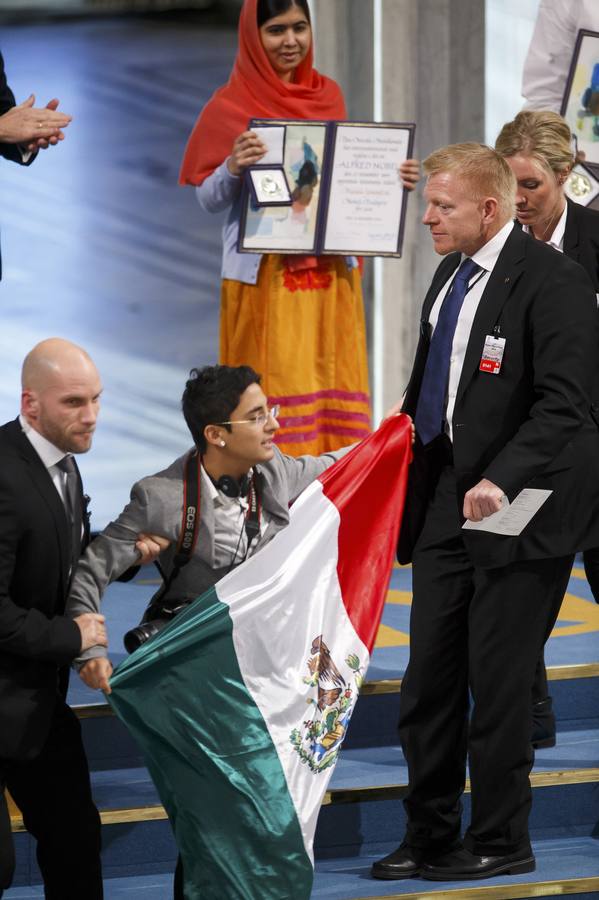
<point x="431" y="400"/>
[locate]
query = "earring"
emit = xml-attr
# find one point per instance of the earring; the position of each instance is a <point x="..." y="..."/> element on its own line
<point x="222" y="443"/>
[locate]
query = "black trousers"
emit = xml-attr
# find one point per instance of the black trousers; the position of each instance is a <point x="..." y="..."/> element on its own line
<point x="178" y="881"/>
<point x="591" y="569"/>
<point x="54" y="795"/>
<point x="473" y="633"/>
<point x="7" y="852"/>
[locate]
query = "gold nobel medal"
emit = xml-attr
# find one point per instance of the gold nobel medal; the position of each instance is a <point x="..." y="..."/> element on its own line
<point x="579" y="184"/>
<point x="270" y="187"/>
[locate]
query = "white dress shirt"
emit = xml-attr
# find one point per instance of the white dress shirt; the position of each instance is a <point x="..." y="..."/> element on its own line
<point x="550" y="53"/>
<point x="486" y="258"/>
<point x="557" y="238"/>
<point x="50" y="455"/>
<point x="230" y="538"/>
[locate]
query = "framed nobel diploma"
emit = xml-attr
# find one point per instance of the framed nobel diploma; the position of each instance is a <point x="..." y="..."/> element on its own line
<point x="345" y="193"/>
<point x="580" y="104"/>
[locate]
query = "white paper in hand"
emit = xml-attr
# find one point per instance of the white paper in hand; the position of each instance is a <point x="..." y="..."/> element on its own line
<point x="512" y="518"/>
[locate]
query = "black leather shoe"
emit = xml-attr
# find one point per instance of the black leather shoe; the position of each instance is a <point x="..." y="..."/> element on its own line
<point x="543" y="724"/>
<point x="405" y="862"/>
<point x="462" y="865"/>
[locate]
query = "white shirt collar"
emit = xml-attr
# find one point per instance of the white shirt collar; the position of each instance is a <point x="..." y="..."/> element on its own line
<point x="209" y="485"/>
<point x="217" y="497"/>
<point x="557" y="238"/>
<point x="47" y="452"/>
<point x="487" y="256"/>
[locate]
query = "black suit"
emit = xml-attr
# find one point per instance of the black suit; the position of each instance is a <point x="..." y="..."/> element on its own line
<point x="41" y="755"/>
<point x="581" y="243"/>
<point x="581" y="239"/>
<point x="9" y="151"/>
<point x="484" y="604"/>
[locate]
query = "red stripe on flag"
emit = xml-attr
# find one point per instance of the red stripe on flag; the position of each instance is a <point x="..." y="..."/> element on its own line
<point x="368" y="487"/>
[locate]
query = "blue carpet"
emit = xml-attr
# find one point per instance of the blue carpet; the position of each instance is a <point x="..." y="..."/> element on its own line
<point x="362" y="767"/>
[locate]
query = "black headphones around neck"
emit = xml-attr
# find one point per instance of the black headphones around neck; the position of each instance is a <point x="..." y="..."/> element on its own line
<point x="233" y="487"/>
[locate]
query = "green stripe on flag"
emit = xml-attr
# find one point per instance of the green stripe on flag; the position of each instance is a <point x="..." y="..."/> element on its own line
<point x="212" y="759"/>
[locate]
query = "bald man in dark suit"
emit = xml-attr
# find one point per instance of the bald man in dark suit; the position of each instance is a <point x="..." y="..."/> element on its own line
<point x="42" y="530"/>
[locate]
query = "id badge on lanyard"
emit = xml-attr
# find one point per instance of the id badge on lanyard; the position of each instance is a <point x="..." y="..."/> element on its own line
<point x="492" y="356"/>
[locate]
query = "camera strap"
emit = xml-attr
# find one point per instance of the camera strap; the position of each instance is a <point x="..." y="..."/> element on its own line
<point x="252" y="517"/>
<point x="190" y="521"/>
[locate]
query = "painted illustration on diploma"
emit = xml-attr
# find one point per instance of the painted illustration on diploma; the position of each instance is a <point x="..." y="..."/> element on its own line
<point x="580" y="103"/>
<point x="306" y="172"/>
<point x="319" y="739"/>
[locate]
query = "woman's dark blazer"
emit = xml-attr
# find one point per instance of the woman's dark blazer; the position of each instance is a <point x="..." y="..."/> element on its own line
<point x="581" y="239"/>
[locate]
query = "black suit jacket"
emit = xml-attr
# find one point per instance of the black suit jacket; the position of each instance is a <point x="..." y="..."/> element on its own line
<point x="581" y="239"/>
<point x="9" y="151"/>
<point x="35" y="640"/>
<point x="530" y="425"/>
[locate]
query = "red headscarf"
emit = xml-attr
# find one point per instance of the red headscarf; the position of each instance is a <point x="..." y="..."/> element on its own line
<point x="255" y="90"/>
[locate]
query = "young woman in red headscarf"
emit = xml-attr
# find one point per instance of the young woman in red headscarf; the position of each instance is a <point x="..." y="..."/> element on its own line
<point x="299" y="321"/>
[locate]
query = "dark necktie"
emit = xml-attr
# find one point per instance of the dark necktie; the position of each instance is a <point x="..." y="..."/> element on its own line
<point x="431" y="400"/>
<point x="73" y="506"/>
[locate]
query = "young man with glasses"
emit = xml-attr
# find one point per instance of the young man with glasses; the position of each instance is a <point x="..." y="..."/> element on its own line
<point x="244" y="481"/>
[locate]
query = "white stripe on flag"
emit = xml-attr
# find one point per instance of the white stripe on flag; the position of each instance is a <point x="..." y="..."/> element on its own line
<point x="281" y="602"/>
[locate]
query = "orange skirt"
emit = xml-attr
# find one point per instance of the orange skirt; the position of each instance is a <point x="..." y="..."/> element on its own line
<point x="304" y="333"/>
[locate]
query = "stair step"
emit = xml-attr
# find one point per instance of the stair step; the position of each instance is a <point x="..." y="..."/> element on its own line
<point x="109" y="744"/>
<point x="573" y="759"/>
<point x="361" y="775"/>
<point x="554" y="673"/>
<point x="568" y="866"/>
<point x="99" y="708"/>
<point x="563" y="867"/>
<point x="574" y="637"/>
<point x="575" y="698"/>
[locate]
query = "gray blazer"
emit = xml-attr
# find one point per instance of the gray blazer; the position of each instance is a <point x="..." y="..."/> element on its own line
<point x="156" y="507"/>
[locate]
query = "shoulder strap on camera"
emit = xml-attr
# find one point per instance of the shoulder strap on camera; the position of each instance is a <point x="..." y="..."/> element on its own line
<point x="190" y="522"/>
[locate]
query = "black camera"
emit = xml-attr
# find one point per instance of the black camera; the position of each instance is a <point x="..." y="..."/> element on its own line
<point x="157" y="616"/>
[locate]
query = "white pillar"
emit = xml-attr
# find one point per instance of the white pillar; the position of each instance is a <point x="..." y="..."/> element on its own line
<point x="428" y="68"/>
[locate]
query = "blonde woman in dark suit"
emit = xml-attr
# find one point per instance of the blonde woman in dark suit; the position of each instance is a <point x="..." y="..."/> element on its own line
<point x="538" y="148"/>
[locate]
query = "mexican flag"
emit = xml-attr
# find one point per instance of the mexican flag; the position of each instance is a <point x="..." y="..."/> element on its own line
<point x="242" y="704"/>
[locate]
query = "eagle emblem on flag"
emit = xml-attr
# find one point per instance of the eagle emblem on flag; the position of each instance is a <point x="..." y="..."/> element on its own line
<point x="319" y="741"/>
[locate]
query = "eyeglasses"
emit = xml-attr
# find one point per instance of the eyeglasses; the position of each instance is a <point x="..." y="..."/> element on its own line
<point x="259" y="419"/>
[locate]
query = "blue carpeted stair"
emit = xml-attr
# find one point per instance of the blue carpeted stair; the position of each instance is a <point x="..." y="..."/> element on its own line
<point x="362" y="816"/>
